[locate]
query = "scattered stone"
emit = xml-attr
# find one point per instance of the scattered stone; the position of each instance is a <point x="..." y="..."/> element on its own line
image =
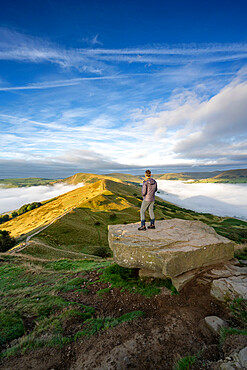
<point x="229" y="288"/>
<point x="230" y="366"/>
<point x="215" y="324"/>
<point x="243" y="357"/>
<point x="172" y="249"/>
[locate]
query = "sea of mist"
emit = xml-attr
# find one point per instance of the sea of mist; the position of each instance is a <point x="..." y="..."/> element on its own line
<point x="218" y="199"/>
<point x="14" y="198"/>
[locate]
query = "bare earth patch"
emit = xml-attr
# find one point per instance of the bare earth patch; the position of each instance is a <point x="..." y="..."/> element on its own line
<point x="173" y="327"/>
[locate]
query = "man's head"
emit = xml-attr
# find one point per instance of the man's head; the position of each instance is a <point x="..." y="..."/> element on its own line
<point x="148" y="173"/>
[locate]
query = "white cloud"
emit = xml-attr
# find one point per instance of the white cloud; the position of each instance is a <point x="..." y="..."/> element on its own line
<point x="195" y="127"/>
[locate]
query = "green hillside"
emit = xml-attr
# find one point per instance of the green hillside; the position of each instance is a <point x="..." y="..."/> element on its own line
<point x="230" y="176"/>
<point x="25" y="182"/>
<point x="183" y="176"/>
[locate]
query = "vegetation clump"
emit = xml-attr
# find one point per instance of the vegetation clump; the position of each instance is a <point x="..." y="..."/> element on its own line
<point x="93" y="325"/>
<point x="238" y="307"/>
<point x="186" y="362"/>
<point x="128" y="279"/>
<point x="4" y="218"/>
<point x="6" y="241"/>
<point x="28" y="207"/>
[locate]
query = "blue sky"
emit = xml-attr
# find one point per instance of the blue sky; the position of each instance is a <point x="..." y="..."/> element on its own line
<point x="99" y="86"/>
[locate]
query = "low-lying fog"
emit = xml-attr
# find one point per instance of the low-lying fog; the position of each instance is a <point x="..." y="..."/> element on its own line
<point x="14" y="198"/>
<point x="219" y="199"/>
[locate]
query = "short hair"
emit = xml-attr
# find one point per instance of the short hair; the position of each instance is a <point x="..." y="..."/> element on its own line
<point x="148" y="173"/>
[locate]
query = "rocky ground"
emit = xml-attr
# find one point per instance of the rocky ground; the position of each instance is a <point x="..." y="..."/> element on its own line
<point x="173" y="327"/>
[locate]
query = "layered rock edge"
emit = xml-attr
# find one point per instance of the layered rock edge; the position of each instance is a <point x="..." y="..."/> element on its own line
<point x="174" y="249"/>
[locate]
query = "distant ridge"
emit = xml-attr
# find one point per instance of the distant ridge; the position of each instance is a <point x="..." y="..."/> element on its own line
<point x="229" y="176"/>
<point x="89" y="178"/>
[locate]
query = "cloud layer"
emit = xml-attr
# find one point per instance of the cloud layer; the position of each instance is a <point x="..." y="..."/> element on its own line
<point x="219" y="199"/>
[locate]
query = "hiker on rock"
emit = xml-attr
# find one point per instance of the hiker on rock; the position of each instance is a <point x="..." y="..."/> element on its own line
<point x="149" y="187"/>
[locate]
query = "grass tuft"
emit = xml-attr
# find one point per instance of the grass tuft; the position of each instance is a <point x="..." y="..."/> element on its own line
<point x="11" y="326"/>
<point x="185" y="362"/>
<point x="128" y="279"/>
<point x="239" y="308"/>
<point x="94" y="325"/>
<point x="225" y="332"/>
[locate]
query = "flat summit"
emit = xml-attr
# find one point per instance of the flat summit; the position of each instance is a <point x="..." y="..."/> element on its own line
<point x="174" y="248"/>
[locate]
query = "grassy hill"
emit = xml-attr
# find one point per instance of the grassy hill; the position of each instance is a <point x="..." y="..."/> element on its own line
<point x="183" y="176"/>
<point x="231" y="176"/>
<point x="81" y="218"/>
<point x="25" y="182"/>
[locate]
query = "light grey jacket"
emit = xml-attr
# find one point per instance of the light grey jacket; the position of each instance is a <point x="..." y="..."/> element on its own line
<point x="149" y="187"/>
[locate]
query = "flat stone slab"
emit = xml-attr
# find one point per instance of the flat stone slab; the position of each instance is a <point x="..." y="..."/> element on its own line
<point x="175" y="247"/>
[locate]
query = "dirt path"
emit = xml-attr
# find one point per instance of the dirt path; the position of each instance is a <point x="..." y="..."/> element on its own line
<point x="79" y="255"/>
<point x="22" y="246"/>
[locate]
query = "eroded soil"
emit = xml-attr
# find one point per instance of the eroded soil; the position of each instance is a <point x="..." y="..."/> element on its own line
<point x="173" y="327"/>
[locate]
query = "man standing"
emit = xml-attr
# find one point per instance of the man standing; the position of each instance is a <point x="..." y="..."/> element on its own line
<point x="149" y="187"/>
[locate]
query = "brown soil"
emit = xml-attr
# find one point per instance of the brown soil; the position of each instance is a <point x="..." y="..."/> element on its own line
<point x="173" y="327"/>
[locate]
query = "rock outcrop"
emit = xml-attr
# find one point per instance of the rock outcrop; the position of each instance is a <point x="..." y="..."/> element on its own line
<point x="172" y="250"/>
<point x="228" y="283"/>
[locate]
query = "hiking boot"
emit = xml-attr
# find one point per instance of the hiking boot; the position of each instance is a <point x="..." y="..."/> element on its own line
<point x="142" y="228"/>
<point x="151" y="227"/>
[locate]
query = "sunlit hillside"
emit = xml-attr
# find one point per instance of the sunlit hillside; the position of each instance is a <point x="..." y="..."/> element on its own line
<point x="56" y="207"/>
<point x="77" y="222"/>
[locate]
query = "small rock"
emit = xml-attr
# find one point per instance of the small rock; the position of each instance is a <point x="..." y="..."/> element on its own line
<point x="230" y="366"/>
<point x="243" y="357"/>
<point x="215" y="324"/>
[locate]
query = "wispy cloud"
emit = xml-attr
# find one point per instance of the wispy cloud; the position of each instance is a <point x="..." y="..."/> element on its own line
<point x="25" y="48"/>
<point x="92" y="41"/>
<point x="61" y="83"/>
